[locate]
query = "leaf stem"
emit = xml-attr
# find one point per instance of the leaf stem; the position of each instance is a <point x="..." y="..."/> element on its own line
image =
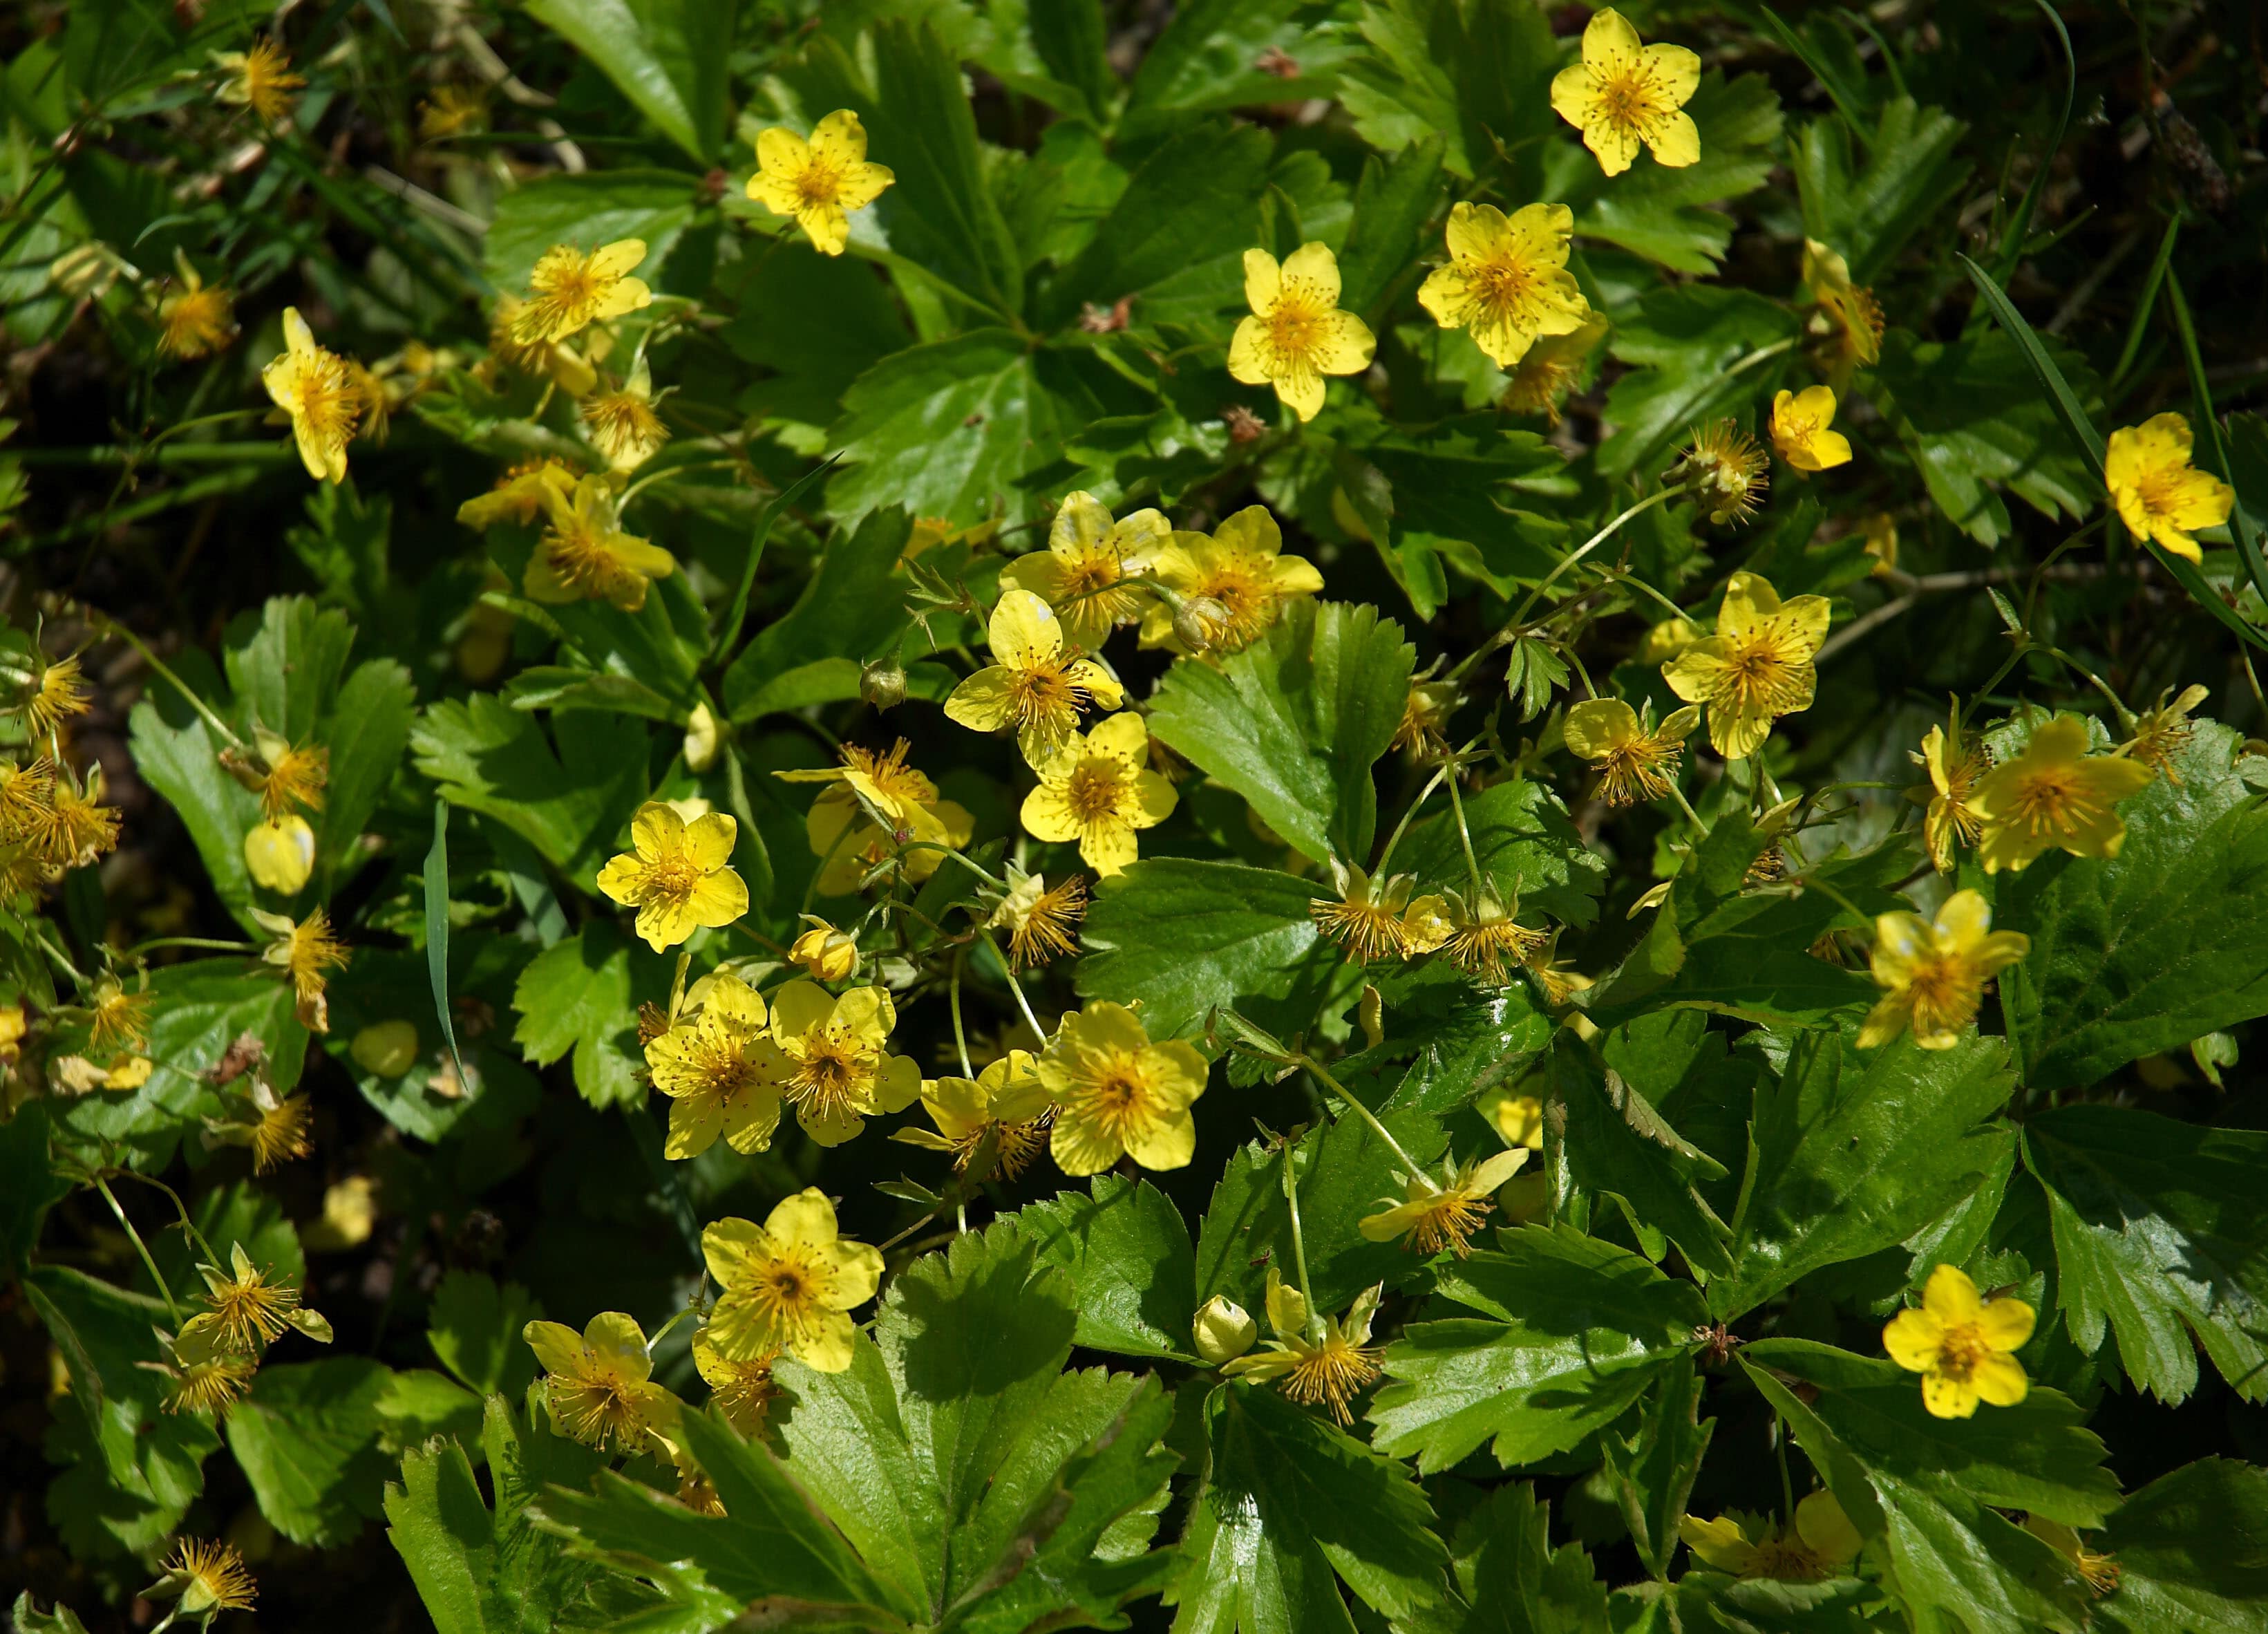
<point x="172" y="1307"/>
<point x="1415" y="1169"/>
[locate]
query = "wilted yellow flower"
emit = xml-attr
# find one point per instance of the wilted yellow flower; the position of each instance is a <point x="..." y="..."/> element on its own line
<point x="1847" y="318"/>
<point x="2162" y="732"/>
<point x="1756" y="667"/>
<point x="1822" y="1544"/>
<point x="261" y="80"/>
<point x="1962" y="1345"/>
<point x="2102" y="1571"/>
<point x="1542" y="377"/>
<point x="77" y="1076"/>
<point x="119" y="1017"/>
<point x="818" y="182"/>
<point x="1117" y="1094"/>
<point x="2159" y="494"/>
<point x="245" y="1310"/>
<point x="317" y="389"/>
<point x="742" y="1391"/>
<point x="1934" y="971"/>
<point x="207" y="1383"/>
<point x="1006" y="1101"/>
<point x="2054" y="794"/>
<point x="789" y="1284"/>
<point x="304" y="949"/>
<point x="1036" y="683"/>
<point x="60" y="694"/>
<point x="1424" y="727"/>
<point x="283" y="775"/>
<point x="1954" y="765"/>
<point x="1624" y="94"/>
<point x="825" y="953"/>
<point x="1431" y="1216"/>
<point x="1485" y="940"/>
<point x="1327" y="1362"/>
<point x="280" y="854"/>
<point x="1234" y="582"/>
<point x="523" y="492"/>
<point x="452" y="111"/>
<point x="584" y="555"/>
<point x="623" y="423"/>
<point x="875" y="804"/>
<point x="1375" y="919"/>
<point x="1083" y="572"/>
<point x="678" y="876"/>
<point x="571" y="291"/>
<point x="195" y="321"/>
<point x="1723" y="470"/>
<point x="282" y="1133"/>
<point x="598" y="1384"/>
<point x="1098" y="791"/>
<point x="1800" y="422"/>
<point x="1297" y="334"/>
<point x="1506" y="281"/>
<point x="1038" y="917"/>
<point x="829" y="1056"/>
<point x="719" y="1077"/>
<point x="1637" y="760"/>
<point x="208" y="1579"/>
<point x="566" y="365"/>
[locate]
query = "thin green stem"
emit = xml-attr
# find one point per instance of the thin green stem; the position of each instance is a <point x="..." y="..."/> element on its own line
<point x="1779" y="1451"/>
<point x="1415" y="1169"/>
<point x="1015" y="987"/>
<point x="959" y="1036"/>
<point x="108" y="626"/>
<point x="663" y="1332"/>
<point x="1300" y="1241"/>
<point x="172" y="1307"/>
<point x="1403" y="827"/>
<point x="948" y="851"/>
<point x="1552" y="578"/>
<point x="1686" y="806"/>
<point x="206" y="943"/>
<point x="39" y="936"/>
<point x="1465" y="839"/>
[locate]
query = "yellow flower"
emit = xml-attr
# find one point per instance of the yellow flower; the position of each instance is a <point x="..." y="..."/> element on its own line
<point x="1756" y="667"/>
<point x="678" y="876"/>
<point x="1118" y="1094"/>
<point x="598" y="1384"/>
<point x="304" y="951"/>
<point x="1099" y="790"/>
<point x="1328" y="1361"/>
<point x="281" y="775"/>
<point x="825" y="953"/>
<point x="208" y="1384"/>
<point x="317" y="389"/>
<point x="193" y="321"/>
<point x="568" y="367"/>
<point x="1934" y="973"/>
<point x="523" y="492"/>
<point x="1955" y="768"/>
<point x="569" y="290"/>
<point x="1518" y="1119"/>
<point x="1431" y="1216"/>
<point x="789" y="1284"/>
<point x="828" y="1055"/>
<point x="1847" y="318"/>
<point x="1723" y="472"/>
<point x="261" y="80"/>
<point x="1083" y="572"/>
<point x="623" y="424"/>
<point x="280" y="854"/>
<point x="1485" y="940"/>
<point x="1006" y="1101"/>
<point x="742" y="1391"/>
<point x="2165" y="731"/>
<point x="1424" y="727"/>
<point x="1375" y="919"/>
<point x="2159" y="494"/>
<point x="1035" y="682"/>
<point x="1962" y="1346"/>
<point x="282" y="1133"/>
<point x="62" y="693"/>
<point x="2100" y="1571"/>
<point x="1038" y="917"/>
<point x="1297" y="334"/>
<point x="820" y="181"/>
<point x="78" y="1075"/>
<point x="452" y="111"/>
<point x="1799" y="430"/>
<point x="873" y="804"/>
<point x="1506" y="282"/>
<point x="1541" y="380"/>
<point x="208" y="1579"/>
<point x="244" y="1311"/>
<point x="1238" y="577"/>
<point x="1881" y="531"/>
<point x="1637" y="760"/>
<point x="586" y="555"/>
<point x="2055" y="794"/>
<point x="119" y="1017"/>
<point x="1624" y="94"/>
<point x="711" y="1064"/>
<point x="1822" y="1544"/>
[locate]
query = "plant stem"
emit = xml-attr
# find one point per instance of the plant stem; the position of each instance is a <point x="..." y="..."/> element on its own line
<point x="1014" y="987"/>
<point x="1465" y="839"/>
<point x="1300" y="1242"/>
<point x="960" y="1038"/>
<point x="172" y="1307"/>
<point x="108" y="626"/>
<point x="1551" y="578"/>
<point x="1403" y="827"/>
<point x="1417" y="1170"/>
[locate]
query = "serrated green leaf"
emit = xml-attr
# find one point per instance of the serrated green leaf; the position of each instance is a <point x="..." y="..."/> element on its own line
<point x="569" y="803"/>
<point x="2192" y="1552"/>
<point x="1654" y="1466"/>
<point x="1510" y="1580"/>
<point x="1867" y="212"/>
<point x="307" y="1436"/>
<point x="1525" y="846"/>
<point x="474" y="1325"/>
<point x="852" y="609"/>
<point x="582" y="995"/>
<point x="667" y="56"/>
<point x="1132" y="1271"/>
<point x="588" y="210"/>
<point x="1663" y="213"/>
<point x="1687" y="342"/>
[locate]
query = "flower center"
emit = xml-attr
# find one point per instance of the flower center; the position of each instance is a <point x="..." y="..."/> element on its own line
<point x="831" y="1075"/>
<point x="1331" y="1373"/>
<point x="1506" y="284"/>
<point x="673" y="879"/>
<point x="1627" y="97"/>
<point x="818" y="185"/>
<point x="1096" y="792"/>
<point x="1764" y="671"/>
<point x="1044" y="692"/>
<point x="1788" y="1559"/>
<point x="1944" y="995"/>
<point x="596" y="1403"/>
<point x="792" y="1292"/>
<point x="1295" y="324"/>
<point x="2159" y="491"/>
<point x="1961" y="1351"/>
<point x="2054" y="801"/>
<point x="327" y="400"/>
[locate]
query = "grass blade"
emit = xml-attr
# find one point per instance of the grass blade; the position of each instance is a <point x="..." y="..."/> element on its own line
<point x="728" y="634"/>
<point x="436" y="934"/>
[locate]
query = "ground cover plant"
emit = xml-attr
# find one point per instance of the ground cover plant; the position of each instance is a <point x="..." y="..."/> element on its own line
<point x="1016" y="815"/>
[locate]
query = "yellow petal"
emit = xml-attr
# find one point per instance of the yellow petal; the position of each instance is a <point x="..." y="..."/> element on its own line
<point x="1264" y="283"/>
<point x="1595" y="728"/>
<point x="1024" y="632"/>
<point x="1314" y="265"/>
<point x="1913" y="1339"/>
<point x="985" y="701"/>
<point x="2006" y="1324"/>
<point x="808" y="1218"/>
<point x="1999" y="1379"/>
<point x="827" y="1345"/>
<point x="1951" y="1296"/>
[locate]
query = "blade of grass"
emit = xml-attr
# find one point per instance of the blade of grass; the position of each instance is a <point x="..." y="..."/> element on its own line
<point x="2140" y="325"/>
<point x="436" y="934"/>
<point x="2012" y="243"/>
<point x="2239" y="522"/>
<point x="728" y="634"/>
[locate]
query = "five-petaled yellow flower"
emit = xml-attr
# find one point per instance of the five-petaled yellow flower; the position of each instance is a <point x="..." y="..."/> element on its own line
<point x="1822" y="1544"/>
<point x="2054" y="794"/>
<point x="1756" y="667"/>
<point x="820" y="181"/>
<point x="1327" y="1361"/>
<point x="830" y="1057"/>
<point x="1934" y="971"/>
<point x="598" y="1384"/>
<point x="317" y="389"/>
<point x="569" y="290"/>
<point x="523" y="492"/>
<point x="1100" y="791"/>
<point x="789" y="1284"/>
<point x="1956" y="765"/>
<point x="1036" y="683"/>
<point x="825" y="952"/>
<point x="1083" y="572"/>
<point x="1117" y="1094"/>
<point x="1800" y="422"/>
<point x="1006" y="1101"/>
<point x="1624" y="94"/>
<point x="1297" y="334"/>
<point x="678" y="876"/>
<point x="1637" y="760"/>
<point x="1962" y="1346"/>
<point x="2159" y="494"/>
<point x="712" y="1065"/>
<point x="1506" y="282"/>
<point x="585" y="554"/>
<point x="1433" y="1215"/>
<point x="1231" y="585"/>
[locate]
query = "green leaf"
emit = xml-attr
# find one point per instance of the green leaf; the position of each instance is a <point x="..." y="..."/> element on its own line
<point x="1295" y="722"/>
<point x="29" y="1186"/>
<point x="852" y="609"/>
<point x="1464" y="489"/>
<point x="570" y="802"/>
<point x="2161" y="1233"/>
<point x="366" y="728"/>
<point x="667" y="56"/>
<point x="1654" y="1467"/>
<point x="1866" y="213"/>
<point x="1931" y="1489"/>
<point x="474" y="1325"/>
<point x="437" y="937"/>
<point x="1686" y="342"/>
<point x="1290" y="1500"/>
<point x="1393" y="202"/>
<point x="1665" y="214"/>
<point x="1478" y="75"/>
<point x="1571" y="1332"/>
<point x="1856" y="1150"/>
<point x="1210" y="58"/>
<point x="582" y="995"/>
<point x="1510" y="1580"/>
<point x="2164" y="943"/>
<point x="307" y="1438"/>
<point x="1616" y="1144"/>
<point x="1183" y="936"/>
<point x="590" y="208"/>
<point x="29" y="1619"/>
<point x="2192" y="1552"/>
<point x="1132" y="1271"/>
<point x="563" y="690"/>
<point x="1524" y="844"/>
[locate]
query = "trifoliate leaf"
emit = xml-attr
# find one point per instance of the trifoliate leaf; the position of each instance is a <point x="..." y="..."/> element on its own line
<point x="1510" y="1580"/>
<point x="570" y="802"/>
<point x="582" y="995"/>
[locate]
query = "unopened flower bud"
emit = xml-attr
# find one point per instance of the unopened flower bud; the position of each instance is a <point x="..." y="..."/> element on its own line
<point x="1198" y="623"/>
<point x="385" y="1049"/>
<point x="882" y="683"/>
<point x="280" y="855"/>
<point x="828" y="953"/>
<point x="1224" y="1330"/>
<point x="702" y="739"/>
